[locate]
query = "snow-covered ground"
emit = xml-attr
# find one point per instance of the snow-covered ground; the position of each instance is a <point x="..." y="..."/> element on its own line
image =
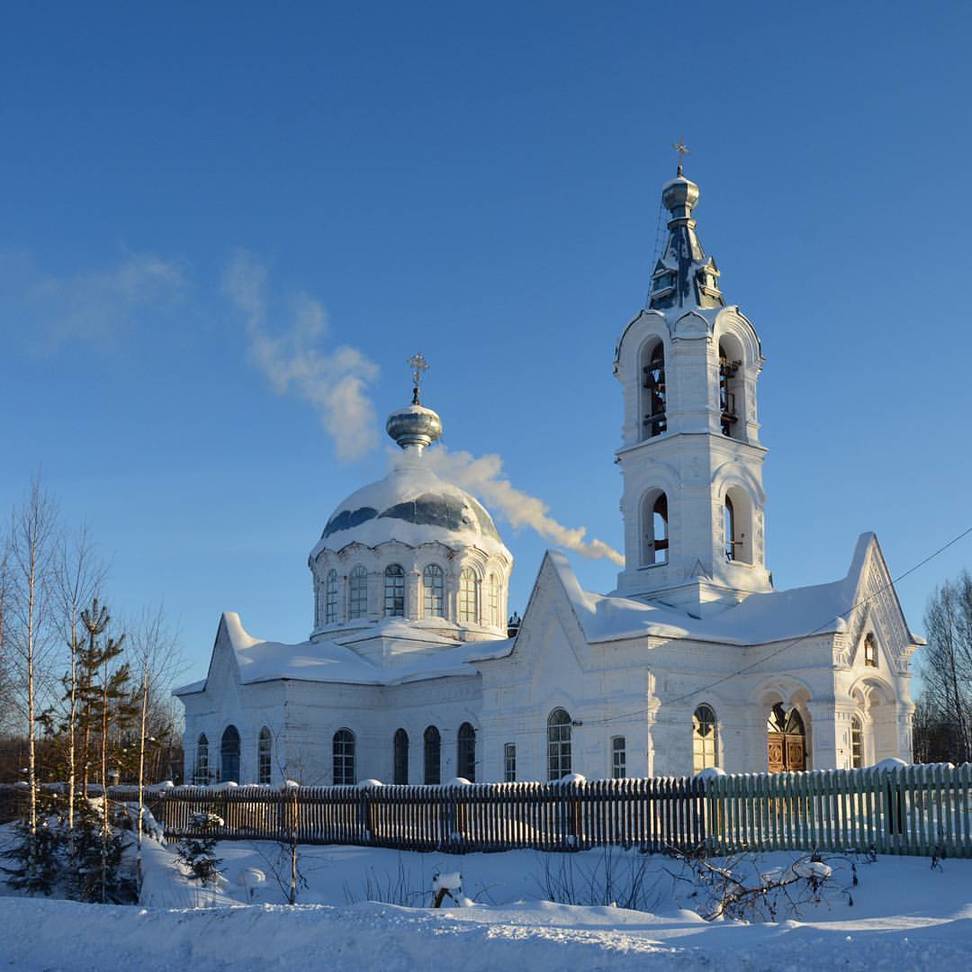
<point x="904" y="915"/>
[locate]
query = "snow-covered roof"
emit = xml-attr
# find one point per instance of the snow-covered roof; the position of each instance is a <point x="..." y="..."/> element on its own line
<point x="331" y="661"/>
<point x="412" y="505"/>
<point x="759" y="619"/>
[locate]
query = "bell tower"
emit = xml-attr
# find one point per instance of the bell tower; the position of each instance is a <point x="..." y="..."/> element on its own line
<point x="691" y="459"/>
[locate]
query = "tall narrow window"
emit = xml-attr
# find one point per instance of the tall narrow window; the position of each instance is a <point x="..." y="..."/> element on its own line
<point x="229" y="756"/>
<point x="558" y="744"/>
<point x="466" y="752"/>
<point x="619" y="759"/>
<point x="264" y="756"/>
<point x="494" y="601"/>
<point x="331" y="597"/>
<point x="357" y="593"/>
<point x="870" y="651"/>
<point x="201" y="776"/>
<point x="394" y="591"/>
<point x="343" y="752"/>
<point x="655" y="393"/>
<point x="728" y="391"/>
<point x="704" y="739"/>
<point x="468" y="596"/>
<point x="655" y="521"/>
<point x="432" y="744"/>
<point x="509" y="763"/>
<point x="729" y="528"/>
<point x="433" y="587"/>
<point x="401" y="758"/>
<point x="857" y="742"/>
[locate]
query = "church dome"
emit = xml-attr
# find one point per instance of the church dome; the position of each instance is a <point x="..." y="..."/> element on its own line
<point x="412" y="548"/>
<point x="412" y="505"/>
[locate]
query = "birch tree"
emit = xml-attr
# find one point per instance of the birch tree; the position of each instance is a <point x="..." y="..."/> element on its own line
<point x="32" y="548"/>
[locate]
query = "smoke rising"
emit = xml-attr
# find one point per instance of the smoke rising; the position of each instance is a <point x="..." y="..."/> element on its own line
<point x="483" y="477"/>
<point x="334" y="383"/>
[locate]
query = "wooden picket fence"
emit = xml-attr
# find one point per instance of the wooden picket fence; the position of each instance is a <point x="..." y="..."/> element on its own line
<point x="920" y="809"/>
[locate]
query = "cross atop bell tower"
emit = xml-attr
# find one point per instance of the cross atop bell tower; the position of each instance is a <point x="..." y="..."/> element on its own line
<point x="690" y="457"/>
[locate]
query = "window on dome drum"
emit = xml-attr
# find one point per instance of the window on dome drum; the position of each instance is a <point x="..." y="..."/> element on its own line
<point x="401" y="758"/>
<point x="705" y="748"/>
<point x="619" y="759"/>
<point x="229" y="754"/>
<point x="728" y="392"/>
<point x="201" y="776"/>
<point x="494" y="601"/>
<point x="343" y="751"/>
<point x="433" y="586"/>
<point x="394" y="591"/>
<point x="466" y="752"/>
<point x="357" y="593"/>
<point x="857" y="742"/>
<point x="331" y="597"/>
<point x="509" y="763"/>
<point x="654" y="391"/>
<point x="558" y="744"/>
<point x="432" y="744"/>
<point x="655" y="519"/>
<point x="264" y="754"/>
<point x="468" y="596"/>
<point x="870" y="651"/>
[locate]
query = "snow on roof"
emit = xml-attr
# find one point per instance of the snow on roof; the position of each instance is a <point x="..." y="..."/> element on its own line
<point x="413" y="505"/>
<point x="759" y="619"/>
<point x="330" y="661"/>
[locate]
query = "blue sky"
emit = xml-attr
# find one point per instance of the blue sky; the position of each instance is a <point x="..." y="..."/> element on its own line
<point x="479" y="182"/>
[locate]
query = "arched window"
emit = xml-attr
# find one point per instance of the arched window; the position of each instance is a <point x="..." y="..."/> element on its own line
<point x="357" y="593"/>
<point x="433" y="586"/>
<point x="729" y="528"/>
<point x="558" y="744"/>
<point x="468" y="596"/>
<point x="466" y="752"/>
<point x="737" y="525"/>
<point x="705" y="742"/>
<point x="229" y="754"/>
<point x="331" y="597"/>
<point x="433" y="756"/>
<point x="870" y="651"/>
<point x="857" y="742"/>
<point x="654" y="516"/>
<point x="730" y="397"/>
<point x="654" y="392"/>
<point x="264" y="756"/>
<point x="343" y="750"/>
<point x="401" y="757"/>
<point x="201" y="776"/>
<point x="619" y="758"/>
<point x="394" y="591"/>
<point x="493" y="601"/>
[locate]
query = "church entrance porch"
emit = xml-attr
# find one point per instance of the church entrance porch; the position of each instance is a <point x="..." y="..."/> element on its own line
<point x="786" y="740"/>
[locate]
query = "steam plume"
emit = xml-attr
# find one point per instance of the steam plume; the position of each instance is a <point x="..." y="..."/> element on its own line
<point x="483" y="476"/>
<point x="334" y="383"/>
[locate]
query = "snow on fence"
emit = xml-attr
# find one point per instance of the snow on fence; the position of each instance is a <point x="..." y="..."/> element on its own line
<point x="920" y="809"/>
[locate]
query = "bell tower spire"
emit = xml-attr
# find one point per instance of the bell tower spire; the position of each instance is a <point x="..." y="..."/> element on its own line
<point x="690" y="458"/>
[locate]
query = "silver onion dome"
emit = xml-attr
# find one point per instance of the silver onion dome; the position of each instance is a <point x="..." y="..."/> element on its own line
<point x="414" y="425"/>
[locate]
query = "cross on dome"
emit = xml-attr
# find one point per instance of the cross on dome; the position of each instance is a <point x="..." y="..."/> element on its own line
<point x="419" y="365"/>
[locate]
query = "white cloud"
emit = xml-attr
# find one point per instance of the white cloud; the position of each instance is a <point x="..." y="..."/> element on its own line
<point x="335" y="383"/>
<point x="92" y="306"/>
<point x="483" y="477"/>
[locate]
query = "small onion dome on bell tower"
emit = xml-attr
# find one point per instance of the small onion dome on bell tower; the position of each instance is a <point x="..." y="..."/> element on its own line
<point x="415" y="426"/>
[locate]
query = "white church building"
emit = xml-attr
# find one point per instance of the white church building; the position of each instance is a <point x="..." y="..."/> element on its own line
<point x="411" y="674"/>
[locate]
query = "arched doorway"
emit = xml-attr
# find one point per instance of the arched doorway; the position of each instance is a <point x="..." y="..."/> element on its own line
<point x="786" y="740"/>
